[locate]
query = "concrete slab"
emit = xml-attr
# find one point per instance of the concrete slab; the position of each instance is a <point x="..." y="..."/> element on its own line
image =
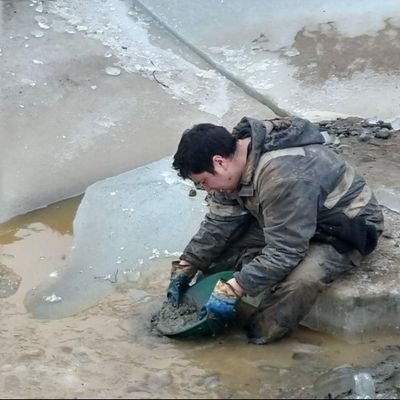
<point x="311" y="58"/>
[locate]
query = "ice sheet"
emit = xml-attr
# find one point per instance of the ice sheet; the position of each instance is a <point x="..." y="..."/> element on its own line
<point x="128" y="229"/>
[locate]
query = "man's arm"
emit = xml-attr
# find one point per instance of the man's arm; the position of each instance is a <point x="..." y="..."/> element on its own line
<point x="290" y="209"/>
<point x="224" y="222"/>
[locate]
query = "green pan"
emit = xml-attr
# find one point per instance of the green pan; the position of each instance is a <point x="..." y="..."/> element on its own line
<point x="198" y="294"/>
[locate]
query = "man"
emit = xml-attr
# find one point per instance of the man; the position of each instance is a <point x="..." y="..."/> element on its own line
<point x="285" y="212"/>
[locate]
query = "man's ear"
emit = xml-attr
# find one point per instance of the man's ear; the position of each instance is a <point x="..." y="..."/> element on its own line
<point x="219" y="161"/>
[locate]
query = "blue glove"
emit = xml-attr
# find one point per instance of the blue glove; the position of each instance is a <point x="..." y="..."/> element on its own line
<point x="177" y="288"/>
<point x="181" y="275"/>
<point x="221" y="306"/>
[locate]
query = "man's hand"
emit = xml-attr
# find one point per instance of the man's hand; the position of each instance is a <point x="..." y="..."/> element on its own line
<point x="221" y="306"/>
<point x="181" y="275"/>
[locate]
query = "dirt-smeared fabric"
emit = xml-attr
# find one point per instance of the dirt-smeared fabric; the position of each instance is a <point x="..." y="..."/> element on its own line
<point x="298" y="190"/>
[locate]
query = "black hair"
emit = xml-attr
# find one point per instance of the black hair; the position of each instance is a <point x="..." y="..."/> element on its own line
<point x="197" y="147"/>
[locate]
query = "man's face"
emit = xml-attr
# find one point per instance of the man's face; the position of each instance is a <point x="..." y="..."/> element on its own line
<point x="224" y="178"/>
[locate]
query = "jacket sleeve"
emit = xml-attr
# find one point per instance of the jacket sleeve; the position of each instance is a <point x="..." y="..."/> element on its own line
<point x="224" y="222"/>
<point x="290" y="209"/>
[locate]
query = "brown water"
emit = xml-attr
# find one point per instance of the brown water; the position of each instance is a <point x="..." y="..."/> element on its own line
<point x="108" y="350"/>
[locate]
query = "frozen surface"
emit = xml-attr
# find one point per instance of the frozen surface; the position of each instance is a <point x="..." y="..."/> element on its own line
<point x="366" y="301"/>
<point x="310" y="58"/>
<point x="91" y="89"/>
<point x="127" y="229"/>
<point x="389" y="198"/>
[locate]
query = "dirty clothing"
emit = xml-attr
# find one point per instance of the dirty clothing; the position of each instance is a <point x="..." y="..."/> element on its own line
<point x="278" y="309"/>
<point x="283" y="307"/>
<point x="296" y="191"/>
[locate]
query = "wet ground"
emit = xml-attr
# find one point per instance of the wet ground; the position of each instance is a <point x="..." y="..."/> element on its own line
<point x="109" y="350"/>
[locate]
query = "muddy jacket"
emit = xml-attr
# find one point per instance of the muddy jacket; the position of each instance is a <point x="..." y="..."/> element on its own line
<point x="299" y="191"/>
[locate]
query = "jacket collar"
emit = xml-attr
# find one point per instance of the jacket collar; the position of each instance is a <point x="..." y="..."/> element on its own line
<point x="255" y="150"/>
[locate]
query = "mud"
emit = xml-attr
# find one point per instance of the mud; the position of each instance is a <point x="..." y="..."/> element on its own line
<point x="339" y="383"/>
<point x="174" y="319"/>
<point x="9" y="281"/>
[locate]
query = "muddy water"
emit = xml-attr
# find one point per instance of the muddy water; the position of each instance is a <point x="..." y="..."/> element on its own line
<point x="108" y="350"/>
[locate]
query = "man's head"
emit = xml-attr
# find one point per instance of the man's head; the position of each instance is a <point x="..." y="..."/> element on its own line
<point x="207" y="155"/>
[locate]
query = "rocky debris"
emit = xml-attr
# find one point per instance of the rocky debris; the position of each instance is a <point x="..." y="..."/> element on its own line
<point x="364" y="129"/>
<point x="380" y="380"/>
<point x="386" y="373"/>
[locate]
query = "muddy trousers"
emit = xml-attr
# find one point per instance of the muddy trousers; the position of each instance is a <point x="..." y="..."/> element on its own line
<point x="286" y="304"/>
<point x="282" y="307"/>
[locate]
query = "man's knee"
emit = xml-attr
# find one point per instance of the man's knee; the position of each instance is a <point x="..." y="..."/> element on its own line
<point x="261" y="329"/>
<point x="282" y="309"/>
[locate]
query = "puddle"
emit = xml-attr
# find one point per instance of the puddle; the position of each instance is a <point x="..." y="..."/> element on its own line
<point x="108" y="350"/>
<point x="35" y="244"/>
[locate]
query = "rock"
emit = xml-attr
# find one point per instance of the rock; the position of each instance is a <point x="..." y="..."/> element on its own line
<point x="396" y="380"/>
<point x="306" y="352"/>
<point x="209" y="382"/>
<point x="372" y="122"/>
<point x="364" y="136"/>
<point x="334" y="383"/>
<point x="364" y="386"/>
<point x="383" y="134"/>
<point x="113" y="71"/>
<point x="365" y="300"/>
<point x="355" y="132"/>
<point x="395" y="123"/>
<point x="388" y="235"/>
<point x="9" y="281"/>
<point x="389" y="199"/>
<point x="384" y="124"/>
<point x="386" y="374"/>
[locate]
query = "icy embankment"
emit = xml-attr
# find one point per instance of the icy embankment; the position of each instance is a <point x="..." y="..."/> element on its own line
<point x="128" y="228"/>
